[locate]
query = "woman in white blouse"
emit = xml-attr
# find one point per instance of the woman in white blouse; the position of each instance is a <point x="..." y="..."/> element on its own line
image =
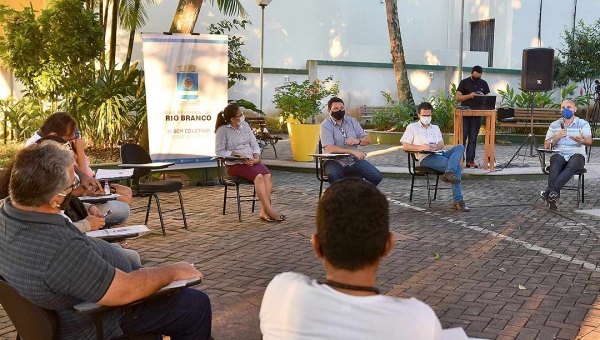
<point x="235" y="138"/>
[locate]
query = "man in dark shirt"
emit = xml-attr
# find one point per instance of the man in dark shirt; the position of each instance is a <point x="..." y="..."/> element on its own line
<point x="467" y="89"/>
<point x="53" y="265"/>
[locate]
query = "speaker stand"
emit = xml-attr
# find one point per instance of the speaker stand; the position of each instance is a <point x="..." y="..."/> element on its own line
<point x="530" y="137"/>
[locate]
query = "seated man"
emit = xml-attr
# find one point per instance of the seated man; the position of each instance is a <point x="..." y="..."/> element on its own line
<point x="569" y="135"/>
<point x="62" y="126"/>
<point x="424" y="136"/>
<point x="53" y="265"/>
<point x="342" y="134"/>
<point x="346" y="305"/>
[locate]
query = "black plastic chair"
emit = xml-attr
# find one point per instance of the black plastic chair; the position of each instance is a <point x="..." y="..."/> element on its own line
<point x="132" y="154"/>
<point x="36" y="323"/>
<point x="422" y="171"/>
<point x="234" y="181"/>
<point x="580" y="187"/>
<point x="320" y="170"/>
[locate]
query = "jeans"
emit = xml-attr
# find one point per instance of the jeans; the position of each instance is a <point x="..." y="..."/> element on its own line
<point x="120" y="212"/>
<point x="336" y="171"/>
<point x="471" y="127"/>
<point x="185" y="315"/>
<point x="562" y="170"/>
<point x="448" y="161"/>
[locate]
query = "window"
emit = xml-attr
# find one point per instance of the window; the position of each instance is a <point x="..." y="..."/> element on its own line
<point x="482" y="38"/>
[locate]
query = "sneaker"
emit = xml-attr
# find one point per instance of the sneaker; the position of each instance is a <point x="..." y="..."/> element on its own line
<point x="544" y="195"/>
<point x="551" y="199"/>
<point x="449" y="177"/>
<point x="472" y="165"/>
<point x="461" y="206"/>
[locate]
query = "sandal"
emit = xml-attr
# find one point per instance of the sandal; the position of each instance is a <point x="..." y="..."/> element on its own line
<point x="281" y="218"/>
<point x="267" y="219"/>
<point x="124" y="244"/>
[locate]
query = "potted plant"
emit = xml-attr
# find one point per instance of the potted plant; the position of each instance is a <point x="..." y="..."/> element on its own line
<point x="303" y="102"/>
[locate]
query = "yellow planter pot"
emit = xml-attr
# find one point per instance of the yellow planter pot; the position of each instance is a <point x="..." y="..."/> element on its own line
<point x="304" y="139"/>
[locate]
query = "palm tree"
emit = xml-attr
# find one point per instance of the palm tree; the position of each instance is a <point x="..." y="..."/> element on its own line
<point x="188" y="11"/>
<point x="397" y="50"/>
<point x="132" y="16"/>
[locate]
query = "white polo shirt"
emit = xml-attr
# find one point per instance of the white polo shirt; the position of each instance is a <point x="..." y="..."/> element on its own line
<point x="417" y="134"/>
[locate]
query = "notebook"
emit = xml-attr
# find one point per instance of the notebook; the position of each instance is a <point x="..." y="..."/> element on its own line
<point x="483" y="103"/>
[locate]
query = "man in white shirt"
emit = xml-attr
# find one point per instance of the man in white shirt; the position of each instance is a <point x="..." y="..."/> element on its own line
<point x="422" y="136"/>
<point x="352" y="237"/>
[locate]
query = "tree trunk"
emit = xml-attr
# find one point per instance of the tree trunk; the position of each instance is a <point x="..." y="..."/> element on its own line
<point x="186" y="16"/>
<point x="113" y="35"/>
<point x="136" y="10"/>
<point x="402" y="83"/>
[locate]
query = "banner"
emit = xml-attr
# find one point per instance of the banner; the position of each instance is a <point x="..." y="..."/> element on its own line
<point x="186" y="88"/>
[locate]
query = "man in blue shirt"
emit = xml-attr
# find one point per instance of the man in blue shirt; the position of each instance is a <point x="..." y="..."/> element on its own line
<point x="569" y="135"/>
<point x="343" y="134"/>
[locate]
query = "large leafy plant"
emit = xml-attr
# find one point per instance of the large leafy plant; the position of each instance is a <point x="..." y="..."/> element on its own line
<point x="395" y="116"/>
<point x="303" y="101"/>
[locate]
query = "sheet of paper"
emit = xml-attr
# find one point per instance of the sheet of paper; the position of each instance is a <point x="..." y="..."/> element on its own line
<point x="456" y="333"/>
<point x="118" y="231"/>
<point x="330" y="154"/>
<point x="102" y="174"/>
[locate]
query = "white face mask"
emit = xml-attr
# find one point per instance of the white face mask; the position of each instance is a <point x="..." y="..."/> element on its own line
<point x="425" y="120"/>
<point x="242" y="118"/>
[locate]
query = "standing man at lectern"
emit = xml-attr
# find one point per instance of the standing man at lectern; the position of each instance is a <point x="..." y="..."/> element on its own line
<point x="467" y="89"/>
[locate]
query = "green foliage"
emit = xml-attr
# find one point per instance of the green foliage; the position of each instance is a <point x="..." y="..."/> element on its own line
<point x="578" y="56"/>
<point x="303" y="100"/>
<point x="113" y="105"/>
<point x="8" y="152"/>
<point x="22" y="115"/>
<point x="247" y="105"/>
<point x="237" y="61"/>
<point x="444" y="104"/>
<point x="53" y="55"/>
<point x="395" y="116"/>
<point x="541" y="99"/>
<point x="230" y="7"/>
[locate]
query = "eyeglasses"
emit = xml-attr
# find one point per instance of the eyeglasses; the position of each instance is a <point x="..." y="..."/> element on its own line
<point x="68" y="146"/>
<point x="73" y="186"/>
<point x="240" y="116"/>
<point x="342" y="131"/>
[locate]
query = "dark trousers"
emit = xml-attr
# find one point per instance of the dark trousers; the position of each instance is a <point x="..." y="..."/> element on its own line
<point x="561" y="170"/>
<point x="185" y="315"/>
<point x="471" y="127"/>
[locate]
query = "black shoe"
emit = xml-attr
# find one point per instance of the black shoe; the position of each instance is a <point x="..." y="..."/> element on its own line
<point x="551" y="199"/>
<point x="544" y="195"/>
<point x="461" y="206"/>
<point x="472" y="165"/>
<point x="449" y="177"/>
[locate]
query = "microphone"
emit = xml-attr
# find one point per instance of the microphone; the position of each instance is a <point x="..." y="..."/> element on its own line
<point x="562" y="123"/>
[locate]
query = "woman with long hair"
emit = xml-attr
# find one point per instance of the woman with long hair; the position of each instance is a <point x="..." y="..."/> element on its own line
<point x="235" y="138"/>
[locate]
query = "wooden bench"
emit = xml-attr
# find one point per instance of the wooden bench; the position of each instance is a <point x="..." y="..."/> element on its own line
<point x="541" y="118"/>
<point x="366" y="112"/>
<point x="262" y="134"/>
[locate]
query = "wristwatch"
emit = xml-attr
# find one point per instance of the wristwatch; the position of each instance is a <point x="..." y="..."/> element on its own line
<point x="358" y="143"/>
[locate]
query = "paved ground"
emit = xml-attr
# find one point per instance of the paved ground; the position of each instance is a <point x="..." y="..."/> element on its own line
<point x="509" y="269"/>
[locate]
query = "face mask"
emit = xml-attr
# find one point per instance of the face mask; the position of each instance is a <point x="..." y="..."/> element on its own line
<point x="567" y="113"/>
<point x="475" y="78"/>
<point x="65" y="202"/>
<point x="242" y="118"/>
<point x="338" y="115"/>
<point x="425" y="120"/>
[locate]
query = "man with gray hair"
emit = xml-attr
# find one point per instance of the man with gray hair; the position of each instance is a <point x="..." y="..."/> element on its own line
<point x="53" y="265"/>
<point x="569" y="135"/>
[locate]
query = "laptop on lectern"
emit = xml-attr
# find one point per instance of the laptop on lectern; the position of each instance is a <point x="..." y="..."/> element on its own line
<point x="483" y="103"/>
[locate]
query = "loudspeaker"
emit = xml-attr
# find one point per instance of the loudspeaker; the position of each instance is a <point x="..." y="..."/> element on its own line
<point x="505" y="114"/>
<point x="538" y="67"/>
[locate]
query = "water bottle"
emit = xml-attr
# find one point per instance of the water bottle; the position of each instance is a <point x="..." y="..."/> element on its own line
<point x="106" y="188"/>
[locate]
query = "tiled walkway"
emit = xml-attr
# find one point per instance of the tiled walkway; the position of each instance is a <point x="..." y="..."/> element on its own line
<point x="509" y="269"/>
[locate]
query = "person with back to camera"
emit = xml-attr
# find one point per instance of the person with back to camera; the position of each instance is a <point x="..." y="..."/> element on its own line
<point x="467" y="89"/>
<point x="346" y="305"/>
<point x="235" y="138"/>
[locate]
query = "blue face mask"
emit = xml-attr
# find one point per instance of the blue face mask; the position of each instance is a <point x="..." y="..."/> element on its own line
<point x="567" y="113"/>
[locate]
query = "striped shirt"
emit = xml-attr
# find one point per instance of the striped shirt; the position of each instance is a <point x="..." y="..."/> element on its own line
<point x="334" y="134"/>
<point x="230" y="139"/>
<point x="566" y="145"/>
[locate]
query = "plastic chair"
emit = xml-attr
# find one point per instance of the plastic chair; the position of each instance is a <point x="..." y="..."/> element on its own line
<point x="418" y="171"/>
<point x="135" y="154"/>
<point x="580" y="187"/>
<point x="234" y="181"/>
<point x="36" y="323"/>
